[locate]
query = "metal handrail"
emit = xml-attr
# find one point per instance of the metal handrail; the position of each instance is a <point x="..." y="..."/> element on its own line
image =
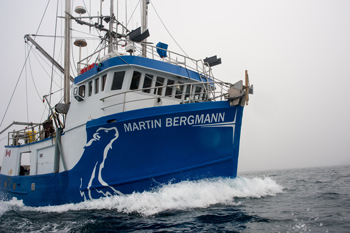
<point x="199" y="64"/>
<point x="28" y="135"/>
<point x="191" y="94"/>
<point x="200" y="68"/>
<point x="220" y="84"/>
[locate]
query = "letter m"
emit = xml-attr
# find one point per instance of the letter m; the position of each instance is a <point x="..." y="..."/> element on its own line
<point x="127" y="127"/>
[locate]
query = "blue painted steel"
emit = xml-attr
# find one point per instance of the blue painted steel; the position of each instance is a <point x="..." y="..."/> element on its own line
<point x="139" y="150"/>
<point x="146" y="62"/>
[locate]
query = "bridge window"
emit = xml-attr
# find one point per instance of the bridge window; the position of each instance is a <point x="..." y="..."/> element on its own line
<point x="188" y="92"/>
<point x="82" y="91"/>
<point x="79" y="93"/>
<point x="197" y="93"/>
<point x="147" y="83"/>
<point x="135" y="82"/>
<point x="204" y="96"/>
<point x="90" y="88"/>
<point x="103" y="82"/>
<point x="118" y="80"/>
<point x="169" y="88"/>
<point x="97" y="81"/>
<point x="179" y="90"/>
<point x="159" y="83"/>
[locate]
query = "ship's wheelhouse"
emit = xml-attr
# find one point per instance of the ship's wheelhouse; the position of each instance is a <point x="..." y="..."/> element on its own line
<point x="127" y="87"/>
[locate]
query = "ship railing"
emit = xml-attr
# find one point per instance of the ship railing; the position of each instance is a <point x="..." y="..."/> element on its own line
<point x="183" y="96"/>
<point x="85" y="61"/>
<point x="181" y="60"/>
<point x="32" y="133"/>
<point x="172" y="57"/>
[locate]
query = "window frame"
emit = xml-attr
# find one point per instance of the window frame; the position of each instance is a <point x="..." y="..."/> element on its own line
<point x="139" y="77"/>
<point x="179" y="95"/>
<point x="158" y="90"/>
<point x="118" y="81"/>
<point x="170" y="87"/>
<point x="90" y="88"/>
<point x="81" y="91"/>
<point x="198" y="94"/>
<point x="188" y="92"/>
<point x="103" y="82"/>
<point x="151" y="83"/>
<point x="96" y="85"/>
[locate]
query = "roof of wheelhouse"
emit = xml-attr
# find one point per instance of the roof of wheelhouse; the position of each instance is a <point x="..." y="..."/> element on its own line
<point x="142" y="62"/>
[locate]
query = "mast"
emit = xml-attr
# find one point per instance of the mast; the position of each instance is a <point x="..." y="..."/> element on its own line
<point x="110" y="45"/>
<point x="67" y="53"/>
<point x="144" y="24"/>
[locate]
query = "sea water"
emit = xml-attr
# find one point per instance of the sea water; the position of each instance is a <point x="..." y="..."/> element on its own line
<point x="296" y="200"/>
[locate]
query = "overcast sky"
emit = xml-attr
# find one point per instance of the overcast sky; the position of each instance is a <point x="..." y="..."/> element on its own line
<point x="297" y="54"/>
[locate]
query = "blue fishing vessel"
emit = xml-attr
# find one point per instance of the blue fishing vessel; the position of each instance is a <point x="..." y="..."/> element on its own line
<point x="134" y="118"/>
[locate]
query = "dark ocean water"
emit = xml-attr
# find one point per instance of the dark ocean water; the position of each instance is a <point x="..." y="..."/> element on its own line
<point x="298" y="200"/>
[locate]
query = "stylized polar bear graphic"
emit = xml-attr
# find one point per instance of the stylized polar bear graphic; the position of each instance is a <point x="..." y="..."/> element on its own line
<point x="100" y="137"/>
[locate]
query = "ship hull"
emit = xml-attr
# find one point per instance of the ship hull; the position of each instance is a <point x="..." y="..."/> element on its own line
<point x="139" y="150"/>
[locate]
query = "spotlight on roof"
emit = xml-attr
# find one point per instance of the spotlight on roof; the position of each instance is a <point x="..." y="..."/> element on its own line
<point x="212" y="61"/>
<point x="136" y="35"/>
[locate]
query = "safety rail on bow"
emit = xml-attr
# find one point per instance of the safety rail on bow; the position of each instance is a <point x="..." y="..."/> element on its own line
<point x="209" y="94"/>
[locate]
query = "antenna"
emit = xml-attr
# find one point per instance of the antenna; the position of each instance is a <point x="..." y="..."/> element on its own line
<point x="80" y="10"/>
<point x="110" y="45"/>
<point x="144" y="25"/>
<point x="67" y="34"/>
<point x="80" y="43"/>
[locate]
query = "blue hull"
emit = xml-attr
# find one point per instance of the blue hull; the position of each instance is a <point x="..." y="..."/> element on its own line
<point x="139" y="150"/>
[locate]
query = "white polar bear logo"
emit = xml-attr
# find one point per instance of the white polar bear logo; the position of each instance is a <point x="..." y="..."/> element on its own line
<point x="97" y="137"/>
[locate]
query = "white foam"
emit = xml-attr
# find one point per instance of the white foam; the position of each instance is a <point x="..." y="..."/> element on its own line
<point x="8" y="205"/>
<point x="179" y="196"/>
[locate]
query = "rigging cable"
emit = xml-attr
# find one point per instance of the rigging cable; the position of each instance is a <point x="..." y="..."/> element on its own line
<point x="98" y="32"/>
<point x="23" y="67"/>
<point x="132" y="13"/>
<point x="48" y="75"/>
<point x="53" y="56"/>
<point x="97" y="57"/>
<point x="25" y="73"/>
<point x="32" y="76"/>
<point x="167" y="29"/>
